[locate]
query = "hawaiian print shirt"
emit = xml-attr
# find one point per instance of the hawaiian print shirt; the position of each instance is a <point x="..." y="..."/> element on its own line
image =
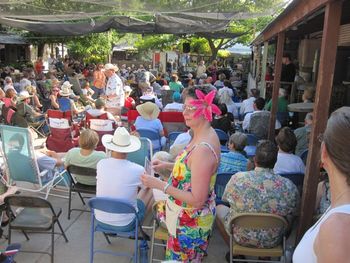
<point x="262" y="191"/>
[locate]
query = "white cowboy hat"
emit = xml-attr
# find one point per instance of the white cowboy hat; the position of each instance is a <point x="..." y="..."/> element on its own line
<point x="121" y="141"/>
<point x="24" y="95"/>
<point x="127" y="89"/>
<point x="109" y="66"/>
<point x="148" y="110"/>
<point x="66" y="89"/>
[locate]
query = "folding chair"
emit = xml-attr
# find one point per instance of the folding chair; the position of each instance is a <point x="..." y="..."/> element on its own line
<point x="172" y="122"/>
<point x="159" y="232"/>
<point x="61" y="137"/>
<point x="38" y="216"/>
<point x="132" y="115"/>
<point x="250" y="150"/>
<point x="252" y="139"/>
<point x="221" y="181"/>
<point x="102" y="125"/>
<point x="223" y="137"/>
<point x="7" y="111"/>
<point x="21" y="162"/>
<point x="172" y="137"/>
<point x="258" y="221"/>
<point x="115" y="206"/>
<point x="139" y="156"/>
<point x="296" y="178"/>
<point x="153" y="136"/>
<point x="79" y="188"/>
<point x="303" y="155"/>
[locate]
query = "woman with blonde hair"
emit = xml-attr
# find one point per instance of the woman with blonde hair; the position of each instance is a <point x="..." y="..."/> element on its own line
<point x="85" y="155"/>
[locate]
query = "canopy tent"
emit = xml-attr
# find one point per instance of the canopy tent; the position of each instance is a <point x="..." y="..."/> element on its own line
<point x="78" y="17"/>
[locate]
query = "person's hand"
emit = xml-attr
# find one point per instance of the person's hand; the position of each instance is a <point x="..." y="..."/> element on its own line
<point x="152" y="182"/>
<point x="158" y="165"/>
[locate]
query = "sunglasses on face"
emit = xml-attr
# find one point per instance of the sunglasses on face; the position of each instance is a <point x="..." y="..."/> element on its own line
<point x="189" y="108"/>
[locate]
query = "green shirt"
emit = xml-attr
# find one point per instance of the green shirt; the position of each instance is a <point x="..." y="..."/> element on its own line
<point x="176" y="86"/>
<point x="74" y="157"/>
<point x="282" y="105"/>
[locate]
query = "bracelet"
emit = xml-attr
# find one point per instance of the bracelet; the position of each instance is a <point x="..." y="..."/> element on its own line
<point x="166" y="187"/>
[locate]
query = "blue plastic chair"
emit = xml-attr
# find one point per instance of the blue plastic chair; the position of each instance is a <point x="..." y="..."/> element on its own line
<point x="172" y="137"/>
<point x="250" y="150"/>
<point x="296" y="178"/>
<point x="252" y="139"/>
<point x="223" y="136"/>
<point x="140" y="155"/>
<point x="303" y="155"/>
<point x="221" y="181"/>
<point x="115" y="206"/>
<point x="153" y="136"/>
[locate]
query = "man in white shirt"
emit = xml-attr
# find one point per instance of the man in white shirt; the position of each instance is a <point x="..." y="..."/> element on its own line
<point x="119" y="178"/>
<point x="247" y="104"/>
<point x="176" y="105"/>
<point x="100" y="109"/>
<point x="148" y="95"/>
<point x="201" y="68"/>
<point x="114" y="88"/>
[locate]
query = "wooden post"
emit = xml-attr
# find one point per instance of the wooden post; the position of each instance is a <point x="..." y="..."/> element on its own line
<point x="263" y="71"/>
<point x="321" y="111"/>
<point x="276" y="84"/>
<point x="258" y="64"/>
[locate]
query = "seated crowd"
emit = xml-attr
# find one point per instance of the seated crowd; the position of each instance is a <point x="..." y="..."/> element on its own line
<point x="256" y="185"/>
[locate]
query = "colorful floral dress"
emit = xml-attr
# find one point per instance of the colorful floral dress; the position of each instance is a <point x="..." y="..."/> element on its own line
<point x="193" y="225"/>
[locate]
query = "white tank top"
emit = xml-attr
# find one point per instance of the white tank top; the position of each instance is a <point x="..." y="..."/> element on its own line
<point x="304" y="252"/>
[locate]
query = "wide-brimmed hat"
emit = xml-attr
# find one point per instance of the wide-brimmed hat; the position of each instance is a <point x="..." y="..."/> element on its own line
<point x="121" y="141"/>
<point x="66" y="89"/>
<point x="148" y="110"/>
<point x="109" y="66"/>
<point x="127" y="89"/>
<point x="24" y="95"/>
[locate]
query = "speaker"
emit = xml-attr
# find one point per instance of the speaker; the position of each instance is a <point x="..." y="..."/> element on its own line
<point x="186" y="47"/>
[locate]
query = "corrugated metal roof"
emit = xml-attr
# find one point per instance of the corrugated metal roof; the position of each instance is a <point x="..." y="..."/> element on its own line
<point x="12" y="39"/>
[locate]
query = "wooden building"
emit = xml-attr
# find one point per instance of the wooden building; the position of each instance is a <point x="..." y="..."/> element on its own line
<point x="13" y="49"/>
<point x="317" y="34"/>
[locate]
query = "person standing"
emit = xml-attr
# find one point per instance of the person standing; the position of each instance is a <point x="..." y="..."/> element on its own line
<point x="328" y="240"/>
<point x="201" y="69"/>
<point x="114" y="89"/>
<point x="99" y="81"/>
<point x="190" y="207"/>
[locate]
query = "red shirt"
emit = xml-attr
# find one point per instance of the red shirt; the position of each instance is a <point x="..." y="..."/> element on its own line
<point x="129" y="103"/>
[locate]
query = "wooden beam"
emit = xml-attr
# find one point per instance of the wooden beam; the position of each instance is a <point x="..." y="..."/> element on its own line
<point x="263" y="71"/>
<point x="292" y="15"/>
<point x="276" y="84"/>
<point x="321" y="111"/>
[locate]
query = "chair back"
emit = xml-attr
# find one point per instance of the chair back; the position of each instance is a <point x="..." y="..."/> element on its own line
<point x="78" y="170"/>
<point x="283" y="118"/>
<point x="27" y="201"/>
<point x="221" y="181"/>
<point x="132" y="115"/>
<point x="223" y="136"/>
<point x="172" y="137"/>
<point x="259" y="221"/>
<point x="140" y="155"/>
<point x="61" y="131"/>
<point x="252" y="139"/>
<point x="111" y="205"/>
<point x="296" y="178"/>
<point x="172" y="121"/>
<point x="250" y="150"/>
<point x="303" y="156"/>
<point x="153" y="136"/>
<point x="20" y="160"/>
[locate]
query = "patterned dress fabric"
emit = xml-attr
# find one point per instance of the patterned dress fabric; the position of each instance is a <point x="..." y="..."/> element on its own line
<point x="194" y="225"/>
<point x="259" y="191"/>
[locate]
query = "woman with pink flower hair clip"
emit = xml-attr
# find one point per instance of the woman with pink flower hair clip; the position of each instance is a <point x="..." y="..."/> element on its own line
<point x="190" y="206"/>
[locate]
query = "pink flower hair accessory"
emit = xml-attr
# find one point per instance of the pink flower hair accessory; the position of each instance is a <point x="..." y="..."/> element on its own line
<point x="204" y="105"/>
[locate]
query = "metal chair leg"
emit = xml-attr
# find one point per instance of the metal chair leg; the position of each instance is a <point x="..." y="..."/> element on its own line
<point x="107" y="238"/>
<point x="25" y="234"/>
<point x="62" y="231"/>
<point x="52" y="241"/>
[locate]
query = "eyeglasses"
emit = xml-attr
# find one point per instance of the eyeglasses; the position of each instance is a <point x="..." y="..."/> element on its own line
<point x="55" y="90"/>
<point x="189" y="108"/>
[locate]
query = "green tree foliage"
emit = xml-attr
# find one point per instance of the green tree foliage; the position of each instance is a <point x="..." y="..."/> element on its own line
<point x="94" y="47"/>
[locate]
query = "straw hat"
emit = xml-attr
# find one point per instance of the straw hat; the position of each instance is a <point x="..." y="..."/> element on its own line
<point x="148" y="110"/>
<point x="66" y="89"/>
<point x="109" y="66"/>
<point x="24" y="95"/>
<point x="121" y="141"/>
